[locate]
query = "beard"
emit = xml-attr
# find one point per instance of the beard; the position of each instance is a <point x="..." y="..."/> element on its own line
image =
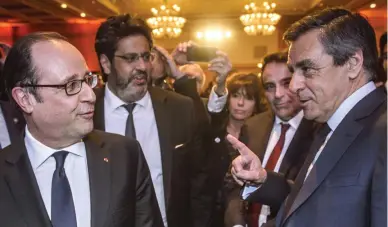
<point x="132" y="88"/>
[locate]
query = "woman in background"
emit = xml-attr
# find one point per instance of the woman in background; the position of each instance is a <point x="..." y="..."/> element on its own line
<point x="245" y="99"/>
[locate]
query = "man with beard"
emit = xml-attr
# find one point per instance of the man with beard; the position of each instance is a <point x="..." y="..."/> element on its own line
<point x="162" y="121"/>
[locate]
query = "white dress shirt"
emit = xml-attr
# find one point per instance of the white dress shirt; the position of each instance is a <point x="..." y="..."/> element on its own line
<point x="341" y="113"/>
<point x="216" y="103"/>
<point x="76" y="168"/>
<point x="146" y="133"/>
<point x="4" y="136"/>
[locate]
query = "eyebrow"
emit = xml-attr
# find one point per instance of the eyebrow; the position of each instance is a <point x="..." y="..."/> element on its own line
<point x="305" y="63"/>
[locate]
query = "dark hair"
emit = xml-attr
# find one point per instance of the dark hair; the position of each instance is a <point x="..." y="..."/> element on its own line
<point x="342" y="34"/>
<point x="114" y="29"/>
<point x="252" y="86"/>
<point x="382" y="42"/>
<point x="18" y="67"/>
<point x="278" y="57"/>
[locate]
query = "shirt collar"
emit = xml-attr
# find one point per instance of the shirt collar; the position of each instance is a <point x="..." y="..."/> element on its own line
<point x="348" y="104"/>
<point x="39" y="153"/>
<point x="113" y="102"/>
<point x="293" y="122"/>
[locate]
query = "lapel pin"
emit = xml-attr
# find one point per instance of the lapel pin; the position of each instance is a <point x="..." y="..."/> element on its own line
<point x="217" y="140"/>
<point x="15" y="120"/>
<point x="106" y="160"/>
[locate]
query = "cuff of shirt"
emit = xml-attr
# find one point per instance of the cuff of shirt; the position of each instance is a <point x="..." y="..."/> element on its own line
<point x="216" y="103"/>
<point x="248" y="190"/>
<point x="238" y="226"/>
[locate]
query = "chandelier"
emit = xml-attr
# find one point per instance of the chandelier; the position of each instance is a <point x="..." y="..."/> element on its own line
<point x="260" y="20"/>
<point x="166" y="22"/>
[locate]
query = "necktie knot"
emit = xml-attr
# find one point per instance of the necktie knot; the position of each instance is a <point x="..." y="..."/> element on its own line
<point x="324" y="130"/>
<point x="60" y="158"/>
<point x="284" y="127"/>
<point x="130" y="107"/>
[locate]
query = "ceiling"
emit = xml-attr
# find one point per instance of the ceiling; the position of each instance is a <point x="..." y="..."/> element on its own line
<point x="49" y="11"/>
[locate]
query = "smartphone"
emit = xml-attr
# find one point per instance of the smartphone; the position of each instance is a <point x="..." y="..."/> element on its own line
<point x="201" y="54"/>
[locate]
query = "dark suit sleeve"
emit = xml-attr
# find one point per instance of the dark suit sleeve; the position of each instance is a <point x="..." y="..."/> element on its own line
<point x="147" y="210"/>
<point x="379" y="189"/>
<point x="188" y="87"/>
<point x="234" y="210"/>
<point x="273" y="192"/>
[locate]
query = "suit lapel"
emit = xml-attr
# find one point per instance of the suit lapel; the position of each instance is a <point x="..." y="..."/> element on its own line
<point x="163" y="122"/>
<point x="258" y="137"/>
<point x="99" y="178"/>
<point x="340" y="140"/>
<point x="99" y="116"/>
<point x="24" y="187"/>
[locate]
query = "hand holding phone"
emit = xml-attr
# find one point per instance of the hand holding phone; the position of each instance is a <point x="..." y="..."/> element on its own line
<point x="201" y="54"/>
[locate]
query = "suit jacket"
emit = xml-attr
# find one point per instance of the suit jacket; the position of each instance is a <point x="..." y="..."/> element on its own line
<point x="258" y="130"/>
<point x="348" y="184"/>
<point x="121" y="190"/>
<point x="181" y="165"/>
<point x="13" y="119"/>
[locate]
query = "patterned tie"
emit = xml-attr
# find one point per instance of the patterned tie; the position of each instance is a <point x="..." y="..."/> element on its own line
<point x="62" y="205"/>
<point x="255" y="208"/>
<point x="319" y="139"/>
<point x="130" y="128"/>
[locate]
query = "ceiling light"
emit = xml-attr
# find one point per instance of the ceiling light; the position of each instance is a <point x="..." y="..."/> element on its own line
<point x="260" y="20"/>
<point x="83" y="15"/>
<point x="260" y="65"/>
<point x="166" y="22"/>
<point x="63" y="6"/>
<point x="213" y="35"/>
<point x="373" y="5"/>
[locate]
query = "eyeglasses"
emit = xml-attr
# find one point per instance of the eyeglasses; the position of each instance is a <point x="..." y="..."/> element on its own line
<point x="134" y="57"/>
<point x="72" y="87"/>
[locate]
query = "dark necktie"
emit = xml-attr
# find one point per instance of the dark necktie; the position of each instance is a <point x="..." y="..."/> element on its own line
<point x="255" y="208"/>
<point x="130" y="127"/>
<point x="318" y="141"/>
<point x="62" y="205"/>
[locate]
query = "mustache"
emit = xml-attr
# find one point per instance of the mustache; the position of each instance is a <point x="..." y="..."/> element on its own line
<point x="123" y="83"/>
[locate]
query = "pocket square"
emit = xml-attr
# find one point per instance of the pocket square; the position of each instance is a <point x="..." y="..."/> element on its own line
<point x="179" y="145"/>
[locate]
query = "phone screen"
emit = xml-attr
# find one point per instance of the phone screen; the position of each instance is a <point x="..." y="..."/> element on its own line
<point x="201" y="54"/>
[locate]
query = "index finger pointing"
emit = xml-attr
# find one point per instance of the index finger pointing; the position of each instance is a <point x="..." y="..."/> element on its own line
<point x="242" y="148"/>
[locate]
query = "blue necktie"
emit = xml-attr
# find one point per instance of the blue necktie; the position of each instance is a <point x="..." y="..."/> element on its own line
<point x="62" y="205"/>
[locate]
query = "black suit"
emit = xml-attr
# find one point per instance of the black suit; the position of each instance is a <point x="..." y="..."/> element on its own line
<point x="121" y="189"/>
<point x="175" y="119"/>
<point x="348" y="184"/>
<point x="13" y="119"/>
<point x="257" y="132"/>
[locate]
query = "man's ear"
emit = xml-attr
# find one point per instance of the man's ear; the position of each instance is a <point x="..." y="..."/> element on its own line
<point x="105" y="64"/>
<point x="355" y="64"/>
<point x="25" y="100"/>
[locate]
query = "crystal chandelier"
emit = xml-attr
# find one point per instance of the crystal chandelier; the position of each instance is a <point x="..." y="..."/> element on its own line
<point x="260" y="20"/>
<point x="166" y="22"/>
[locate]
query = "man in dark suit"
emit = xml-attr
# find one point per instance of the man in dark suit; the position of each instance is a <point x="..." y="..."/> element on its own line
<point x="163" y="122"/>
<point x="62" y="173"/>
<point x="11" y="124"/>
<point x="280" y="137"/>
<point x="343" y="182"/>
